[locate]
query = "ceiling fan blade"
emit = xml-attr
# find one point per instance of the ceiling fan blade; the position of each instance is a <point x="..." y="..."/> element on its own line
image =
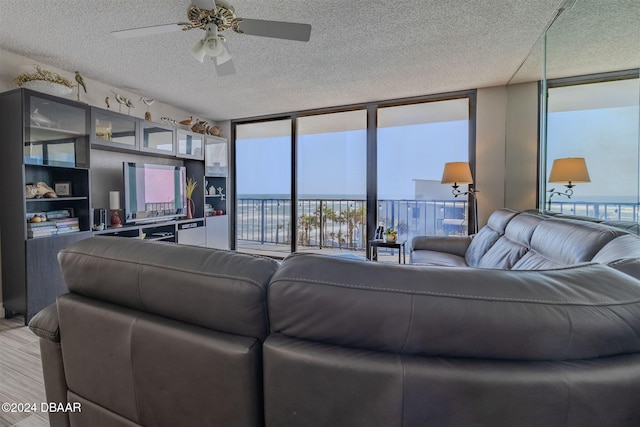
<point x="205" y="4"/>
<point x="225" y="69"/>
<point x="146" y="31"/>
<point x="224" y="64"/>
<point x="224" y="56"/>
<point x="276" y="29"/>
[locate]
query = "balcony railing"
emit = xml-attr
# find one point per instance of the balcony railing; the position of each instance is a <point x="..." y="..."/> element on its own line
<point x="341" y="224"/>
<point x="605" y="211"/>
<point x="338" y="223"/>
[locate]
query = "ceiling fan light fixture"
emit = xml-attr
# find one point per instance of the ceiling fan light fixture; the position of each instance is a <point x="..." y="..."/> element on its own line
<point x="213" y="46"/>
<point x="198" y="51"/>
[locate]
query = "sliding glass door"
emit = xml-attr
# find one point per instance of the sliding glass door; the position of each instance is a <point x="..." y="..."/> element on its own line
<point x="322" y="181"/>
<point x="263" y="187"/>
<point x="331" y="181"/>
<point x="414" y="142"/>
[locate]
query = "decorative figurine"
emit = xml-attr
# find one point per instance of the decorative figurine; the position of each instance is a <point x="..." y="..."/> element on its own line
<point x="129" y="105"/>
<point x="169" y="120"/>
<point x="187" y="122"/>
<point x="199" y="127"/>
<point x="108" y="102"/>
<point x="80" y="81"/>
<point x="123" y="101"/>
<point x="215" y="131"/>
<point x="147" y="102"/>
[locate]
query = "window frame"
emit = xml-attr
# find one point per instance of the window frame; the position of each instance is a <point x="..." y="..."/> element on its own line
<point x="544" y="87"/>
<point x="371" y="152"/>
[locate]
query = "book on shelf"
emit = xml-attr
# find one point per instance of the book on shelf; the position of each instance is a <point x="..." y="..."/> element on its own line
<point x="53" y="226"/>
<point x="65" y="221"/>
<point x="71" y="229"/>
<point x="44" y="232"/>
<point x="41" y="224"/>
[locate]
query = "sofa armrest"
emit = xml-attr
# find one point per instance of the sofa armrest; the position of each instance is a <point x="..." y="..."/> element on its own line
<point x="45" y="324"/>
<point x="456" y="245"/>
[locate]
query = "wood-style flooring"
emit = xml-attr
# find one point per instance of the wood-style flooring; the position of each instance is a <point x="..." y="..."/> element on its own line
<point x="20" y="374"/>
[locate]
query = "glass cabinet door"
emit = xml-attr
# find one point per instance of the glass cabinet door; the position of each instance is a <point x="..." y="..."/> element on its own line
<point x="55" y="133"/>
<point x="215" y="156"/>
<point x="113" y="129"/>
<point x="157" y="138"/>
<point x="190" y="144"/>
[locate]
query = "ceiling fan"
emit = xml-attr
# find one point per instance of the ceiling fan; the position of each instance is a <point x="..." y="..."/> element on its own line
<point x="213" y="21"/>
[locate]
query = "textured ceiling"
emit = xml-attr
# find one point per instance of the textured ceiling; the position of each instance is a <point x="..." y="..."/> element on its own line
<point x="359" y="50"/>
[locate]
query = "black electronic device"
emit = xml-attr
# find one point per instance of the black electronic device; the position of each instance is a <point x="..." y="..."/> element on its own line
<point x="99" y="219"/>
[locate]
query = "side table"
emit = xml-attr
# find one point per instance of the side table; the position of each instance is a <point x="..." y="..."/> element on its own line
<point x="373" y="245"/>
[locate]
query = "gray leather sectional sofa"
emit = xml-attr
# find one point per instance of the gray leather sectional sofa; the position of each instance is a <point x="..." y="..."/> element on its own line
<point x="514" y="240"/>
<point x="158" y="334"/>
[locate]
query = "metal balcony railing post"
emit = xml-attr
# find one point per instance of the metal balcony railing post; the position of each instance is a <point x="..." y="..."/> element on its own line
<point x="262" y="217"/>
<point x="321" y="226"/>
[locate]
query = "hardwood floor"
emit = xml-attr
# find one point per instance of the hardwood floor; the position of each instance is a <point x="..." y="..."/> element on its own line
<point x="20" y="374"/>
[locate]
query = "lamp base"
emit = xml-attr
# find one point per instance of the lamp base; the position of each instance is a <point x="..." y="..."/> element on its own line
<point x="115" y="218"/>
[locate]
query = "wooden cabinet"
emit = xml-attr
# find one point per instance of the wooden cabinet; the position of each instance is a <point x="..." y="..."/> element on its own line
<point x="217" y="232"/>
<point x="45" y="152"/>
<point x="192" y="233"/>
<point x="157" y="138"/>
<point x="184" y="232"/>
<point x="189" y="145"/>
<point x="216" y="159"/>
<point x="47" y="180"/>
<point x="114" y="130"/>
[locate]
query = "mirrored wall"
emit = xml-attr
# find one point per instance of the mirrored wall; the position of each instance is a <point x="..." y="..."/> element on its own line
<point x="591" y="111"/>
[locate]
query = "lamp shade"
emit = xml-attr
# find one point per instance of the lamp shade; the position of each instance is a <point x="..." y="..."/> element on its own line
<point x="570" y="169"/>
<point x="456" y="173"/>
<point x="114" y="200"/>
<point x="211" y="45"/>
<point x="198" y="51"/>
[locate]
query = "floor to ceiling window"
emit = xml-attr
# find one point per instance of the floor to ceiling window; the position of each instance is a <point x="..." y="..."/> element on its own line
<point x="263" y="187"/>
<point x="414" y="142"/>
<point x="321" y="181"/>
<point x="597" y="121"/>
<point x="331" y="181"/>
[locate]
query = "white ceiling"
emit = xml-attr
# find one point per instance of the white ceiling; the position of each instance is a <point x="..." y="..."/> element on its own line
<point x="360" y="50"/>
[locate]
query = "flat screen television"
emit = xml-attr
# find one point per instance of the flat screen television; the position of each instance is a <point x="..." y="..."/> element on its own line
<point x="154" y="192"/>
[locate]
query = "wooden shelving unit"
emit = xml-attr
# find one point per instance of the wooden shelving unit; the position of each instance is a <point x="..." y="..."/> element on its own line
<point x="52" y="140"/>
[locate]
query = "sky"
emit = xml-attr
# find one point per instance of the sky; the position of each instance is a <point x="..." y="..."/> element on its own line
<point x="335" y="163"/>
<point x="608" y="140"/>
<point x="580" y="124"/>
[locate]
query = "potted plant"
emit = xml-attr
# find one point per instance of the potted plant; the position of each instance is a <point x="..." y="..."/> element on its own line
<point x="191" y="185"/>
<point x="45" y="81"/>
<point x="390" y="235"/>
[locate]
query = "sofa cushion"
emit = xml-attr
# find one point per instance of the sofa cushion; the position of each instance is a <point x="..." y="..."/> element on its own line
<point x="574" y="313"/>
<point x="516" y="242"/>
<point x="622" y="247"/>
<point x="157" y="371"/>
<point x="623" y="254"/>
<point x="456" y="245"/>
<point x="217" y="289"/>
<point x="488" y="235"/>
<point x="425" y="257"/>
<point x="563" y="242"/>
